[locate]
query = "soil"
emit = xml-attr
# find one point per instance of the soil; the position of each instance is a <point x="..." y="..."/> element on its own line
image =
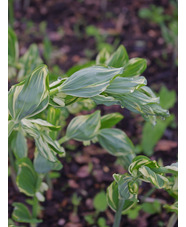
<point x="88" y="170"/>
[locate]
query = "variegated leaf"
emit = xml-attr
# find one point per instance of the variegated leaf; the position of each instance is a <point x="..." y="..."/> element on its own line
<point x="172" y="208"/>
<point x="29" y="61"/>
<point x="26" y="178"/>
<point x="105" y="100"/>
<point x="90" y="81"/>
<point x="22" y="214"/>
<point x="156" y="179"/>
<point x="119" y="58"/>
<point x="134" y="67"/>
<point x="125" y="85"/>
<point x="29" y="97"/>
<point x="119" y="190"/>
<point x="115" y="142"/>
<point x="102" y="57"/>
<point x="84" y="128"/>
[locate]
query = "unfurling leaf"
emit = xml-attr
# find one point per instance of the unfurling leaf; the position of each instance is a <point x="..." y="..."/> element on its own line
<point x="109" y="120"/>
<point x="119" y="190"/>
<point x="148" y="171"/>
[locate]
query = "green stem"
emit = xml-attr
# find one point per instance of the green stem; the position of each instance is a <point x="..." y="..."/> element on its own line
<point x="118" y="213"/>
<point x="34" y="210"/>
<point x="63" y="139"/>
<point x="34" y="207"/>
<point x="49" y="182"/>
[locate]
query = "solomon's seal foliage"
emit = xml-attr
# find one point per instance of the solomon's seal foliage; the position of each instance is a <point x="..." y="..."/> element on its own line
<point x="35" y="108"/>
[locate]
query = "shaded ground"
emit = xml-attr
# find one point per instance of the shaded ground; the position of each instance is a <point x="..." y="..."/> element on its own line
<point x="66" y="28"/>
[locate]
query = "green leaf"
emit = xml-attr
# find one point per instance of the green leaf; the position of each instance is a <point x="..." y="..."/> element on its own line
<point x="29" y="61"/>
<point x="22" y="214"/>
<point x="140" y="161"/>
<point x="89" y="218"/>
<point x="55" y="146"/>
<point x="115" y="142"/>
<point x="44" y="124"/>
<point x="134" y="67"/>
<point x="11" y="126"/>
<point x="45" y="150"/>
<point x="102" y="222"/>
<point x="100" y="202"/>
<point x="152" y="134"/>
<point x="152" y="208"/>
<point x="46" y="146"/>
<point x="84" y="127"/>
<point x="81" y="105"/>
<point x="19" y="144"/>
<point x="143" y="101"/>
<point x="149" y="171"/>
<point x="90" y="81"/>
<point x="173" y="168"/>
<point x="106" y="100"/>
<point x="13" y="48"/>
<point x="78" y="67"/>
<point x="42" y="165"/>
<point x="119" y="58"/>
<point x="109" y="120"/>
<point x="29" y="97"/>
<point x="124" y="85"/>
<point x="167" y="98"/>
<point x="26" y="178"/>
<point x="133" y="212"/>
<point x="30" y="128"/>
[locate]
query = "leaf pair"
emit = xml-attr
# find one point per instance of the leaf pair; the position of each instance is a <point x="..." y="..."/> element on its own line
<point x="89" y="127"/>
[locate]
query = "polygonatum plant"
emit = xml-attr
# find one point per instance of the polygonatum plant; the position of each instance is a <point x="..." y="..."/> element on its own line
<point x="35" y="106"/>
